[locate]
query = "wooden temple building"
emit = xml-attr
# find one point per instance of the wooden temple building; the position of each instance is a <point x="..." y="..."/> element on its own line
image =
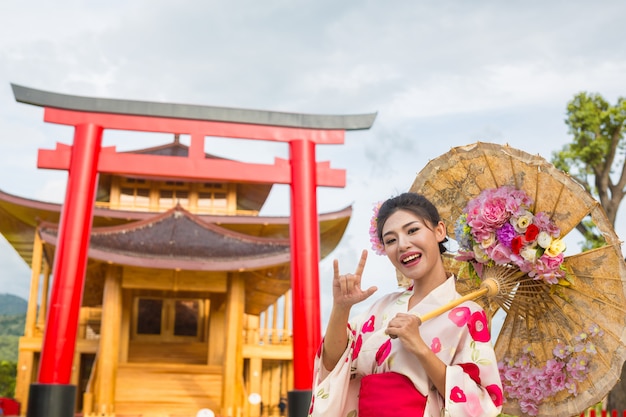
<point x="192" y="284"/>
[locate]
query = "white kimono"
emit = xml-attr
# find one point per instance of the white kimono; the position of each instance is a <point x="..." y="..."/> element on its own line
<point x="460" y="338"/>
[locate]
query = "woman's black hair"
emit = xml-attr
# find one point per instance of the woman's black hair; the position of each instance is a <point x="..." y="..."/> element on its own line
<point x="416" y="204"/>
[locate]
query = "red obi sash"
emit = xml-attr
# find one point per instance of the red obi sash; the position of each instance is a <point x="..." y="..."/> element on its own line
<point x="390" y="394"/>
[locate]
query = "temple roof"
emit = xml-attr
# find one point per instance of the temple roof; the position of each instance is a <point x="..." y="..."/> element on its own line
<point x="176" y="239"/>
<point x="20" y="217"/>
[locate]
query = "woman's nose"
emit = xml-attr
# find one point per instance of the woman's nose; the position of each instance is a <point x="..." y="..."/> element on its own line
<point x="404" y="241"/>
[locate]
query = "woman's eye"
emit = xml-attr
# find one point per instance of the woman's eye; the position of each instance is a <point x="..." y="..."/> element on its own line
<point x="413" y="230"/>
<point x="389" y="241"/>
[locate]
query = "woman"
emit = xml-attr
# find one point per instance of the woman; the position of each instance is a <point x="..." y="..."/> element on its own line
<point x="385" y="362"/>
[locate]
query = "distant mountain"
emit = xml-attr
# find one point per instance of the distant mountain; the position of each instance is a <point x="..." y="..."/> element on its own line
<point x="12" y="305"/>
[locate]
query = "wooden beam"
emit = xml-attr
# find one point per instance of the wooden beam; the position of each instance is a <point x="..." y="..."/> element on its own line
<point x="277" y="352"/>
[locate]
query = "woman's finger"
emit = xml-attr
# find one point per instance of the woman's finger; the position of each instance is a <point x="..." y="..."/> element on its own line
<point x="361" y="266"/>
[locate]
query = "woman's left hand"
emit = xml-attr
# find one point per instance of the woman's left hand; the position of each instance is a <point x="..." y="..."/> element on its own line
<point x="406" y="328"/>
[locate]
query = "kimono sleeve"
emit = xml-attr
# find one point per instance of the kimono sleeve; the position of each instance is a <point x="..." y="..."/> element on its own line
<point x="473" y="385"/>
<point x="332" y="394"/>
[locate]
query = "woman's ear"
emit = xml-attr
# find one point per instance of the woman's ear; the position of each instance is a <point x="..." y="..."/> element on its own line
<point x="440" y="231"/>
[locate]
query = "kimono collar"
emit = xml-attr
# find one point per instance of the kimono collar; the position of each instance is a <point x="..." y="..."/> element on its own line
<point x="441" y="295"/>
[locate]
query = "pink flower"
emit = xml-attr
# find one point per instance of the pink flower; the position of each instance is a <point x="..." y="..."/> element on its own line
<point x="459" y="315"/>
<point x="368" y="326"/>
<point x="543" y="222"/>
<point x="501" y="254"/>
<point x="383" y="352"/>
<point x="495" y="392"/>
<point x="548" y="263"/>
<point x="457" y="395"/>
<point x="494" y="213"/>
<point x="472" y="370"/>
<point x="529" y="407"/>
<point x="435" y="345"/>
<point x="473" y="405"/>
<point x="478" y="327"/>
<point x="357" y="347"/>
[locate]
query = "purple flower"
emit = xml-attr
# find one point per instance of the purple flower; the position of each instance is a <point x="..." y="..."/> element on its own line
<point x="505" y="234"/>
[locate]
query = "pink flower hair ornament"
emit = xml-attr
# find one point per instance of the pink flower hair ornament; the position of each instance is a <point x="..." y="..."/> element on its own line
<point x="377" y="245"/>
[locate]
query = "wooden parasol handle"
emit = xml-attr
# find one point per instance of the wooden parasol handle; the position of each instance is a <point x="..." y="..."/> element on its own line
<point x="488" y="287"/>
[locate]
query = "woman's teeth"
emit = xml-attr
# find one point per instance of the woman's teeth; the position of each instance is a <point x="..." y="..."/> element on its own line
<point x="411" y="258"/>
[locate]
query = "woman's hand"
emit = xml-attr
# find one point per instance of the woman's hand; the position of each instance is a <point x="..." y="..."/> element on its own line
<point x="347" y="288"/>
<point x="346" y="292"/>
<point x="406" y="327"/>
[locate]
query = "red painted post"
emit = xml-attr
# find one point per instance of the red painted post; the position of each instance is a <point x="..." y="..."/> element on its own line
<point x="59" y="343"/>
<point x="305" y="255"/>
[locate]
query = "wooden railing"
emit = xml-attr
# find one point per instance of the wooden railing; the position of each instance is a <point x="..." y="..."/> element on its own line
<point x="273" y="326"/>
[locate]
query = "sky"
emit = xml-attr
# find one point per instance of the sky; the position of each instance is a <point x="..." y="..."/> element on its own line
<point x="438" y="75"/>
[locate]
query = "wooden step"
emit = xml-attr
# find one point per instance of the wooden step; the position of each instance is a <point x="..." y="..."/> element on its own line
<point x="167" y="389"/>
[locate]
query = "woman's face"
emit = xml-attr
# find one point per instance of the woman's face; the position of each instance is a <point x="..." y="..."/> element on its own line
<point x="412" y="245"/>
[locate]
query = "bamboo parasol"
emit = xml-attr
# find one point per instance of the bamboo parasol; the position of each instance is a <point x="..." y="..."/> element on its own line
<point x="561" y="345"/>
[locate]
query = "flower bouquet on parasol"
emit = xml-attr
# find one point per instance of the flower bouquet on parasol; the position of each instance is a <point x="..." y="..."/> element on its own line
<point x="562" y="343"/>
<point x="498" y="228"/>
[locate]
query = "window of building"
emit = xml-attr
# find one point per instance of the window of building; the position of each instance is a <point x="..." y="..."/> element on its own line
<point x="168" y="319"/>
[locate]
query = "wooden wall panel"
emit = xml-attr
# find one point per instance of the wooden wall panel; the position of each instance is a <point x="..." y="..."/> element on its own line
<point x="168" y="280"/>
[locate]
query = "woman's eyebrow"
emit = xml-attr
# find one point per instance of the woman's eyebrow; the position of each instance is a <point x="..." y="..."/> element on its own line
<point x="404" y="226"/>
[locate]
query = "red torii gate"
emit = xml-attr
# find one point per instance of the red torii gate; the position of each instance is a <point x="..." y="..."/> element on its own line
<point x="53" y="396"/>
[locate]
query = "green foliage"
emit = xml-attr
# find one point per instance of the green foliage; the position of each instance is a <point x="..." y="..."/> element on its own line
<point x="11" y="328"/>
<point x="8" y="374"/>
<point x="9" y="348"/>
<point x="596" y="156"/>
<point x="12" y="325"/>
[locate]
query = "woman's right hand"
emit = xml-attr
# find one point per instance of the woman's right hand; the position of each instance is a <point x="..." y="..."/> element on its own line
<point x="347" y="287"/>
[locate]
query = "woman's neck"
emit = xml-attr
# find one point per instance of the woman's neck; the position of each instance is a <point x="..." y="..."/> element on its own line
<point x="424" y="286"/>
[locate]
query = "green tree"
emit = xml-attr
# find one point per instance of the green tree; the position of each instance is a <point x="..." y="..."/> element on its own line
<point x="8" y="373"/>
<point x="596" y="159"/>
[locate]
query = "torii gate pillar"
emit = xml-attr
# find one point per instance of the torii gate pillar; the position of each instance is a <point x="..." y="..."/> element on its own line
<point x="53" y="396"/>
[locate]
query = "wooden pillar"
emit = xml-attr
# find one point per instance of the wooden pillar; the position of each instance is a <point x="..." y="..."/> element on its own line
<point x="254" y="386"/>
<point x="232" y="389"/>
<point x="25" y="376"/>
<point x="108" y="354"/>
<point x="33" y="297"/>
<point x="126" y="319"/>
<point x="43" y="300"/>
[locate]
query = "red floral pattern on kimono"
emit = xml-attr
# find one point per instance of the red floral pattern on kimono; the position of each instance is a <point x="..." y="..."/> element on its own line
<point x="460" y="338"/>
